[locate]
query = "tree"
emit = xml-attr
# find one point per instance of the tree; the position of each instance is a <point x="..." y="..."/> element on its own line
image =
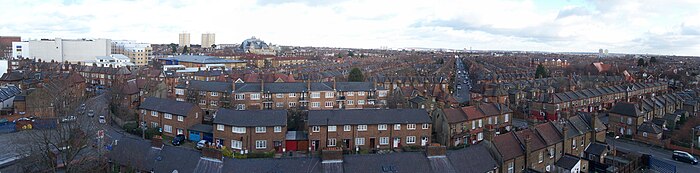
<point x="652" y="60"/>
<point x="173" y="47"/>
<point x="355" y="75"/>
<point x="541" y="72"/>
<point x="351" y="54"/>
<point x="184" y="50"/>
<point x="640" y="62"/>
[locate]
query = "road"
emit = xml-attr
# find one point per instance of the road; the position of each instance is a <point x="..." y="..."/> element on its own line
<point x="659" y="153"/>
<point x="100" y="104"/>
<point x="462" y="83"/>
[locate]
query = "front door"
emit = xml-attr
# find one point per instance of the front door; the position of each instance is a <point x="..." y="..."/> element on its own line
<point x="371" y="142"/>
<point x="397" y="142"/>
<point x="314" y="145"/>
<point x="346" y="143"/>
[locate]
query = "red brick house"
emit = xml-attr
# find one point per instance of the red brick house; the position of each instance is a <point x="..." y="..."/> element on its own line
<point x="172" y="116"/>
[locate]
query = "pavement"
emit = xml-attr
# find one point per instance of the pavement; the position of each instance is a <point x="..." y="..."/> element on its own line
<point x="656" y="152"/>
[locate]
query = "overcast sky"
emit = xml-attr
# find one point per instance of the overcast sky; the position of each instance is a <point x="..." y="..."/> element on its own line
<point x="626" y="26"/>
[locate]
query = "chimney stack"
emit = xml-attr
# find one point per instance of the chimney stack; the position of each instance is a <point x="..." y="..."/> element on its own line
<point x="528" y="151"/>
<point x="490" y="132"/>
<point x="594" y="120"/>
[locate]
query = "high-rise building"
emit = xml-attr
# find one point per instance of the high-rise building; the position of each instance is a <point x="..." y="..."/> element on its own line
<point x="208" y="39"/>
<point x="184" y="39"/>
<point x="138" y="53"/>
<point x="72" y="50"/>
<point x="6" y="45"/>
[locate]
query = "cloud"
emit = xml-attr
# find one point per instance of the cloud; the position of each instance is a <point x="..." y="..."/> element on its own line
<point x="574" y="11"/>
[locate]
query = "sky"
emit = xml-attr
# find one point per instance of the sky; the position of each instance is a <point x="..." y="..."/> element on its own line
<point x="670" y="27"/>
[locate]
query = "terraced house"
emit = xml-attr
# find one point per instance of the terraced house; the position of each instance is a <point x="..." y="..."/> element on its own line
<point x="209" y="95"/>
<point x="250" y="130"/>
<point x="368" y="129"/>
<point x="174" y="117"/>
<point x="466" y="125"/>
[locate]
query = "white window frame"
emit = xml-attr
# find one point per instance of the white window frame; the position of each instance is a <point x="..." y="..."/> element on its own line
<point x="238" y="130"/>
<point x="350" y="102"/>
<point x="361" y="93"/>
<point x="240" y="96"/>
<point x="167" y="128"/>
<point x="506" y="119"/>
<point x="315" y="128"/>
<point x="332" y="128"/>
<point x="260" y="129"/>
<point x="168" y="116"/>
<point x="180" y="118"/>
<point x="279" y="95"/>
<point x="381" y="127"/>
<point x="329" y="104"/>
<point x="315" y="104"/>
<point x="235" y="144"/>
<point x="481" y="124"/>
<point x="279" y="104"/>
<point x="154" y="113"/>
<point x="292" y="94"/>
<point x="255" y="96"/>
<point x="426" y="126"/>
<point x="330" y="95"/>
<point x="361" y="127"/>
<point x="278" y="129"/>
<point x="347" y="128"/>
<point x="381" y="93"/>
<point x="410" y="139"/>
<point x="292" y="104"/>
<point x="179" y="91"/>
<point x="220" y="127"/>
<point x="411" y="126"/>
<point x="473" y="124"/>
<point x="260" y="144"/>
<point x="350" y="93"/>
<point x="315" y="95"/>
<point x="331" y="142"/>
<point x="360" y="102"/>
<point x="214" y="93"/>
<point x="359" y="141"/>
<point x="383" y="140"/>
<point x="397" y="126"/>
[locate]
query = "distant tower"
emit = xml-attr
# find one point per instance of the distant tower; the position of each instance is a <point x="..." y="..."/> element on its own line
<point x="208" y="39"/>
<point x="605" y="52"/>
<point x="600" y="51"/>
<point x="184" y="39"/>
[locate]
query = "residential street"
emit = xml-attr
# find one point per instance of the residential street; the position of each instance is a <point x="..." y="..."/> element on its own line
<point x="462" y="83"/>
<point x="659" y="153"/>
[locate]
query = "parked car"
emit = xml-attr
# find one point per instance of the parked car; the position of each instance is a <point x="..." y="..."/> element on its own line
<point x="201" y="144"/>
<point x="684" y="157"/>
<point x="102" y="119"/>
<point x="68" y="119"/>
<point x="179" y="139"/>
<point x="91" y="113"/>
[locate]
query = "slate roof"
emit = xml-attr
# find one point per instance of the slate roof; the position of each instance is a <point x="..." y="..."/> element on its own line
<point x="202" y="128"/>
<point x="354" y="86"/>
<point x="176" y="158"/>
<point x="250" y="118"/>
<point x="396" y="162"/>
<point x="596" y="148"/>
<point x="535" y="142"/>
<point x="167" y="106"/>
<point x="567" y="162"/>
<point x="627" y="109"/>
<point x="649" y="128"/>
<point x="286" y="165"/>
<point x="463" y="160"/>
<point x="368" y="116"/>
<point x="508" y="146"/>
<point x="454" y="115"/>
<point x="198" y="85"/>
<point x="549" y="133"/>
<point x="135" y="152"/>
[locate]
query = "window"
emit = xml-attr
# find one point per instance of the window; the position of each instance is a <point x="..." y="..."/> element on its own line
<point x="381" y="127"/>
<point x="347" y="128"/>
<point x="351" y="102"/>
<point x="473" y="125"/>
<point x="410" y="139"/>
<point x="382" y="93"/>
<point x="240" y="107"/>
<point x="350" y="93"/>
<point x="279" y="104"/>
<point x="331" y="142"/>
<point x="240" y="96"/>
<point x="255" y="96"/>
<point x="179" y="91"/>
<point x="239" y="130"/>
<point x="361" y="102"/>
<point x="279" y="95"/>
<point x="316" y="95"/>
<point x="315" y="104"/>
<point x="540" y="157"/>
<point x="260" y="129"/>
<point x="292" y="104"/>
<point x="220" y="127"/>
<point x="582" y="142"/>
<point x="426" y="126"/>
<point x="359" y="141"/>
<point x="154" y="113"/>
<point x="629" y="120"/>
<point x="480" y="136"/>
<point x="573" y="143"/>
<point x="168" y="116"/>
<point x="202" y="102"/>
<point x="214" y="93"/>
<point x="397" y="126"/>
<point x="202" y="93"/>
<point x="315" y="128"/>
<point x="168" y="128"/>
<point x="154" y="124"/>
<point x="411" y="126"/>
<point x="278" y="129"/>
<point x="180" y="118"/>
<point x="331" y="128"/>
<point x="490" y="120"/>
<point x="480" y="123"/>
<point x="361" y="127"/>
<point x="360" y="93"/>
<point x="180" y="131"/>
<point x="292" y="94"/>
<point x="329" y="94"/>
<point x="510" y="167"/>
<point x="644" y="134"/>
<point x="495" y="120"/>
<point x="236" y="144"/>
<point x="551" y="152"/>
<point x="213" y="102"/>
<point x="329" y="104"/>
<point x="505" y="118"/>
<point x="260" y="144"/>
<point x="384" y="141"/>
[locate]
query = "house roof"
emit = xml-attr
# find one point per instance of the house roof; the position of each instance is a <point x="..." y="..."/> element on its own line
<point x="396" y="162"/>
<point x="202" y="128"/>
<point x="626" y="109"/>
<point x="549" y="133"/>
<point x="463" y="161"/>
<point x="454" y="115"/>
<point x="508" y="146"/>
<point x="135" y="152"/>
<point x="368" y="116"/>
<point x="201" y="59"/>
<point x="250" y="118"/>
<point x="296" y="164"/>
<point x="535" y="142"/>
<point x="567" y="162"/>
<point x="198" y="85"/>
<point x="596" y="148"/>
<point x="167" y="106"/>
<point x="176" y="158"/>
<point x="650" y="128"/>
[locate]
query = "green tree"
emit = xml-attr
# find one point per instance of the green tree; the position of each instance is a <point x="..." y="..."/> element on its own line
<point x="640" y="62"/>
<point x="351" y="54"/>
<point x="652" y="60"/>
<point x="541" y="72"/>
<point x="173" y="47"/>
<point x="184" y="50"/>
<point x="355" y="75"/>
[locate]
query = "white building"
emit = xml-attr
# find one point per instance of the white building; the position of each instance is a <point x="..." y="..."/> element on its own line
<point x="140" y="53"/>
<point x="208" y="39"/>
<point x="114" y="60"/>
<point x="184" y="39"/>
<point x="72" y="50"/>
